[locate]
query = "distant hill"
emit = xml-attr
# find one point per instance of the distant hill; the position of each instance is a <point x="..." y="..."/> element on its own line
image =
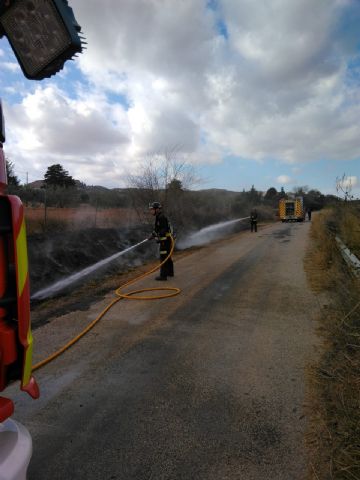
<point x="40" y="183"/>
<point x="218" y="191"/>
<point x="210" y="191"/>
<point x="36" y="184"/>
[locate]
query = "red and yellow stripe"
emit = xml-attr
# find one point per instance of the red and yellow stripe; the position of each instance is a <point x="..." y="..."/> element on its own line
<point x="23" y="294"/>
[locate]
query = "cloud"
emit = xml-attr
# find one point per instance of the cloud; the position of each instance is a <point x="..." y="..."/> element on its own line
<point x="158" y="60"/>
<point x="86" y="134"/>
<point x="354" y="182"/>
<point x="281" y="84"/>
<point x="285" y="91"/>
<point x="146" y="36"/>
<point x="11" y="66"/>
<point x="348" y="182"/>
<point x="284" y="180"/>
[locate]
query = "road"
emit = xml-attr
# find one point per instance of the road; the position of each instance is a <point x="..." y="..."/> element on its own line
<point x="206" y="385"/>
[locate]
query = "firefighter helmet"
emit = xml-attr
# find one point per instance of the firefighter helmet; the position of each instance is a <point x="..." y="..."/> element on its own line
<point x="155" y="205"/>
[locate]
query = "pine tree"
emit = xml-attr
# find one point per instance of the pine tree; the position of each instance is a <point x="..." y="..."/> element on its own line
<point x="57" y="177"/>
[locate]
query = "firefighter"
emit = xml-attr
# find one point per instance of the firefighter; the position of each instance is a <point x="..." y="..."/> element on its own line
<point x="309" y="214"/>
<point x="162" y="233"/>
<point x="253" y="220"/>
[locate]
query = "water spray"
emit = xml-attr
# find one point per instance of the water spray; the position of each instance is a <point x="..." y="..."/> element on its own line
<point x="65" y="282"/>
<point x="206" y="234"/>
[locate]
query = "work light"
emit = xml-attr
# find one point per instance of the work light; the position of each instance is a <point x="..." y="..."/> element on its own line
<point x="42" y="33"/>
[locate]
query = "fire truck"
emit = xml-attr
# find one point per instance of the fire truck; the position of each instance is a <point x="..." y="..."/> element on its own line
<point x="291" y="209"/>
<point x="43" y="36"/>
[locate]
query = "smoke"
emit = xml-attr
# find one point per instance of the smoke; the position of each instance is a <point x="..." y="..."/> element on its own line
<point x="208" y="234"/>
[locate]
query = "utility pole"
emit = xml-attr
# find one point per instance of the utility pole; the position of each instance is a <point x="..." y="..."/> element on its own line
<point x="26" y="189"/>
<point x="96" y="209"/>
<point x="45" y="208"/>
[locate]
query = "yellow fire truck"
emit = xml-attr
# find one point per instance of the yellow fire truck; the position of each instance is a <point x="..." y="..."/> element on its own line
<point x="291" y="209"/>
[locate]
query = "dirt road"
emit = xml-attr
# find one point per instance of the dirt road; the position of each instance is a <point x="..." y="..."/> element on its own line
<point x="205" y="385"/>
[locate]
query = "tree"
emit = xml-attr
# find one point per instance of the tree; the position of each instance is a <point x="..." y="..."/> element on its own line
<point x="240" y="205"/>
<point x="163" y="177"/>
<point x="272" y="197"/>
<point x="314" y="199"/>
<point x="57" y="177"/>
<point x="253" y="196"/>
<point x="12" y="179"/>
<point x="175" y="186"/>
<point x="301" y="191"/>
<point x="271" y="193"/>
<point x="344" y="187"/>
<point x="282" y="193"/>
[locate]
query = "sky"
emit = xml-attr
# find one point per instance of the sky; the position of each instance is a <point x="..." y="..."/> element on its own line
<point x="263" y="93"/>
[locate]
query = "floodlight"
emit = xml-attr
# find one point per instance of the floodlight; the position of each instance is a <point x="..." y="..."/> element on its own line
<point x="42" y="33"/>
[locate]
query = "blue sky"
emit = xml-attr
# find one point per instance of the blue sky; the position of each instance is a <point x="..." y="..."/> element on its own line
<point x="250" y="93"/>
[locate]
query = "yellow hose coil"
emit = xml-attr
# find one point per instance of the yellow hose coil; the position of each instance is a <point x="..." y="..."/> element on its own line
<point x="129" y="295"/>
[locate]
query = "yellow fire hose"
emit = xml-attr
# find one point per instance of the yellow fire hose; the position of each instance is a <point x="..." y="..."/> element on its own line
<point x="172" y="291"/>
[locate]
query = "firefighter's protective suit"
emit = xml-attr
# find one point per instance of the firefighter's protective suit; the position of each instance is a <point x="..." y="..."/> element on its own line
<point x="253" y="220"/>
<point x="162" y="232"/>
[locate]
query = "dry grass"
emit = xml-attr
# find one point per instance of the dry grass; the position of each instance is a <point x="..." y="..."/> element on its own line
<point x="77" y="218"/>
<point x="334" y="383"/>
<point x="349" y="226"/>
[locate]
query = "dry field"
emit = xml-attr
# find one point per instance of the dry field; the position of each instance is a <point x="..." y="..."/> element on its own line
<point x="38" y="220"/>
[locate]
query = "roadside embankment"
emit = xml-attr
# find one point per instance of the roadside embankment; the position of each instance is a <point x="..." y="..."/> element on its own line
<point x="53" y="257"/>
<point x="333" y="393"/>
